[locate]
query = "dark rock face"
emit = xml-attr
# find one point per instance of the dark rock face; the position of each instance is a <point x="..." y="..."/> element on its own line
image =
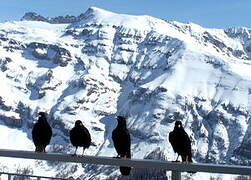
<point x="245" y="148"/>
<point x="244" y="35"/>
<point x="4" y="63"/>
<point x="52" y="52"/>
<point x="32" y="16"/>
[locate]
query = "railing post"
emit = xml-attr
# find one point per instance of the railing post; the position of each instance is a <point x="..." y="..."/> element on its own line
<point x="176" y="175"/>
<point x="9" y="176"/>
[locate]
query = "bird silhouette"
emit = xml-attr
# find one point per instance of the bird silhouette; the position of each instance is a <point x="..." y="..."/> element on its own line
<point x="80" y="136"/>
<point x="41" y="133"/>
<point x="122" y="142"/>
<point x="181" y="142"/>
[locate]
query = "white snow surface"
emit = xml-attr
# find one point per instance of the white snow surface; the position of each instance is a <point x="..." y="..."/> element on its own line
<point x="152" y="71"/>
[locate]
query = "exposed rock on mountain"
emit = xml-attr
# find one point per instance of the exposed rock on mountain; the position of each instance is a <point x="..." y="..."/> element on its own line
<point x="32" y="16"/>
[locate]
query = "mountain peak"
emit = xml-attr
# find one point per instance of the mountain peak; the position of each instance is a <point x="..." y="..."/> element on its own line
<point x="96" y="15"/>
<point x="32" y="16"/>
<point x="96" y="10"/>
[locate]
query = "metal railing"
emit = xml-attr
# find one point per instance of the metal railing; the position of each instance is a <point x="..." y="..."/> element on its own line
<point x="25" y="176"/>
<point x="175" y="167"/>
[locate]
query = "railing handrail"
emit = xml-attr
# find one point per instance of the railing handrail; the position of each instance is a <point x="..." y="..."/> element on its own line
<point x="32" y="176"/>
<point x="137" y="163"/>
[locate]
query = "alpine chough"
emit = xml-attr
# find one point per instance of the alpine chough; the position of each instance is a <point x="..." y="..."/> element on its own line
<point x="122" y="142"/>
<point x="41" y="133"/>
<point x="181" y="142"/>
<point x="80" y="136"/>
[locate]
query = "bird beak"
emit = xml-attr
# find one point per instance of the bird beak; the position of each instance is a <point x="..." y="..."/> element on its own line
<point x="116" y="117"/>
<point x="179" y="126"/>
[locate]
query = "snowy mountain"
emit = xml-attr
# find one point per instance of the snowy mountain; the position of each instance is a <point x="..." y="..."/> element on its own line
<point x="152" y="71"/>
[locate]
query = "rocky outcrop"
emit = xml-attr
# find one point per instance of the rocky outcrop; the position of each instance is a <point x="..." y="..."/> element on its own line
<point x="57" y="54"/>
<point x="32" y="16"/>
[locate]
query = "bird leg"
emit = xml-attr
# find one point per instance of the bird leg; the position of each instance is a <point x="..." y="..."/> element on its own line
<point x="123" y="157"/>
<point x="83" y="151"/>
<point x="75" y="153"/>
<point x="177" y="158"/>
<point x="39" y="148"/>
<point x="185" y="159"/>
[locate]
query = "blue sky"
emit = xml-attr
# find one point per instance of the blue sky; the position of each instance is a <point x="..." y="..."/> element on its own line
<point x="207" y="13"/>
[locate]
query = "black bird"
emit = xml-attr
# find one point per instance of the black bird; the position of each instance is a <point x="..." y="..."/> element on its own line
<point x="80" y="136"/>
<point x="122" y="142"/>
<point x="181" y="142"/>
<point x="41" y="133"/>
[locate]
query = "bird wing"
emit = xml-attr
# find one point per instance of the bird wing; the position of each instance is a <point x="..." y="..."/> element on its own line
<point x="35" y="134"/>
<point x="173" y="140"/>
<point x="122" y="142"/>
<point x="41" y="134"/>
<point x="73" y="137"/>
<point x="87" y="136"/>
<point x="115" y="139"/>
<point x="185" y="140"/>
<point x="127" y="144"/>
<point x="187" y="144"/>
<point x="48" y="133"/>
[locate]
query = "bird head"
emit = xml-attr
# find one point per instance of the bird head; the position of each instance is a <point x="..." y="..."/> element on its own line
<point x="42" y="117"/>
<point x="41" y="114"/>
<point x="178" y="125"/>
<point x="121" y="121"/>
<point x="78" y="123"/>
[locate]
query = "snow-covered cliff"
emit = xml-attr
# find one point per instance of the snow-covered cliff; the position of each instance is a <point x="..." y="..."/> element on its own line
<point x="152" y="71"/>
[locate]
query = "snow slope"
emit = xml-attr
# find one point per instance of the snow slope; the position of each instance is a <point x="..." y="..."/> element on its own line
<point x="152" y="71"/>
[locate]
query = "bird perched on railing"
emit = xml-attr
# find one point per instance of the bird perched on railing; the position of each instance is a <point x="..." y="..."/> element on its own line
<point x="41" y="133"/>
<point x="80" y="136"/>
<point x="122" y="142"/>
<point x="181" y="142"/>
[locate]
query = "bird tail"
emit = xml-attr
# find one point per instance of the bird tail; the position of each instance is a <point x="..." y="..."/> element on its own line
<point x="125" y="170"/>
<point x="190" y="161"/>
